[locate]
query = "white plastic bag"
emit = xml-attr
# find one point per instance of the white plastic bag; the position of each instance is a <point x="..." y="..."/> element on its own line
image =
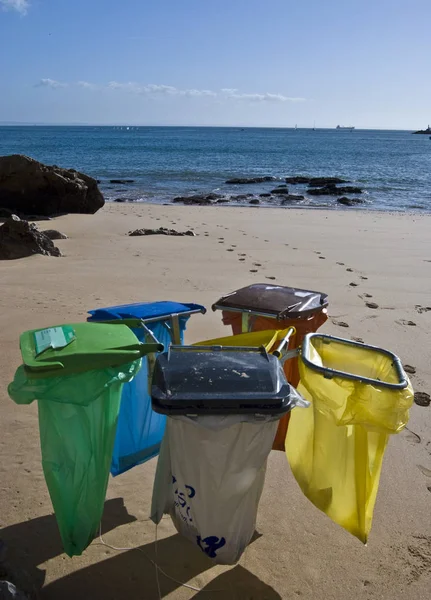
<point x="209" y="478"/>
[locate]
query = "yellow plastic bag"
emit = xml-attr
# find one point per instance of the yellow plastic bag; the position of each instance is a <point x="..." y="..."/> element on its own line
<point x="336" y="447"/>
<point x="268" y="339"/>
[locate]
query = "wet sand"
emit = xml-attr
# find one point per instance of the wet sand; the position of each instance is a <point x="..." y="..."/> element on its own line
<point x="376" y="269"/>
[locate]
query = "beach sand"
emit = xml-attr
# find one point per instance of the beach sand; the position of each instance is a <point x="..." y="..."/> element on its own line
<point x="299" y="552"/>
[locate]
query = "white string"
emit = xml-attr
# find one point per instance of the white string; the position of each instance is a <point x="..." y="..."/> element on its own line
<point x="186" y="585"/>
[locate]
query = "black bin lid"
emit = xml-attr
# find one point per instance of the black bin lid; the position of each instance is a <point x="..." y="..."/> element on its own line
<point x="275" y="301"/>
<point x="205" y="380"/>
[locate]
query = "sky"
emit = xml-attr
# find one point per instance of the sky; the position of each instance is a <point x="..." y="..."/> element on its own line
<point x="270" y="63"/>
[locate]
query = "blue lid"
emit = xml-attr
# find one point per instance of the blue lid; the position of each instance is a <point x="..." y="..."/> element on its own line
<point x="144" y="310"/>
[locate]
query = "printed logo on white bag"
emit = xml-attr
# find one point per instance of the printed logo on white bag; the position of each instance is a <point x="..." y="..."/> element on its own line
<point x="213" y="544"/>
<point x="181" y="501"/>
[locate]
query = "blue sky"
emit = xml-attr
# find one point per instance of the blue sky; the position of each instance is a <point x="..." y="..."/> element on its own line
<point x="217" y="62"/>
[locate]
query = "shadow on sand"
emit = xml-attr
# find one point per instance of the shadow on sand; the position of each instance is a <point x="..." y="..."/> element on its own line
<point x="127" y="575"/>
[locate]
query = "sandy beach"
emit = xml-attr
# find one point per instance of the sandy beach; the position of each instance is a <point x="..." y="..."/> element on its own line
<point x="299" y="552"/>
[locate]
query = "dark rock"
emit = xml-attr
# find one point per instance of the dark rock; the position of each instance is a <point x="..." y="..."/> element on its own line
<point x="282" y="186"/>
<point x="332" y="190"/>
<point x="322" y="181"/>
<point x="292" y="198"/>
<point x="53" y="234"/>
<point x="119" y="200"/>
<point x="224" y="200"/>
<point x="350" y="201"/>
<point x="98" y="181"/>
<point x="160" y="231"/>
<point x="28" y="187"/>
<point x="121" y="181"/>
<point x="21" y="238"/>
<point x="426" y="131"/>
<point x="282" y="190"/>
<point x="245" y="180"/>
<point x="264" y="195"/>
<point x="9" y="592"/>
<point x="254" y="201"/>
<point x="200" y="199"/>
<point x="298" y="179"/>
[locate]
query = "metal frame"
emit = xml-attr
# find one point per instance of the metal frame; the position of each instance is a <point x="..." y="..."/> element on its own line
<point x="181" y="348"/>
<point x="330" y="373"/>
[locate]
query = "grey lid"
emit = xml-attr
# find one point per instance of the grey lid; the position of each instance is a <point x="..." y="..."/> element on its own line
<point x="213" y="378"/>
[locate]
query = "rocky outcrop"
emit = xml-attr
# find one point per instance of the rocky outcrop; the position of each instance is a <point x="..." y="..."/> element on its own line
<point x="426" y="131"/>
<point x="160" y="231"/>
<point x="350" y="201"/>
<point x="332" y="190"/>
<point x="246" y="180"/>
<point x="297" y="180"/>
<point x="21" y="238"/>
<point x="280" y="190"/>
<point x="28" y="187"/>
<point x="200" y="199"/>
<point x="121" y="181"/>
<point x="254" y="201"/>
<point x="322" y="181"/>
<point x="53" y="234"/>
<point x="292" y="198"/>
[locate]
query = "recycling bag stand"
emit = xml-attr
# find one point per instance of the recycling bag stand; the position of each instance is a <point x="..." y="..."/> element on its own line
<point x="76" y="373"/>
<point x="223" y="406"/>
<point x="359" y="396"/>
<point x="264" y="306"/>
<point x="140" y="430"/>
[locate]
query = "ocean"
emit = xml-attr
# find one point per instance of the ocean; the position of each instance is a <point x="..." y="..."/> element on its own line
<point x="392" y="167"/>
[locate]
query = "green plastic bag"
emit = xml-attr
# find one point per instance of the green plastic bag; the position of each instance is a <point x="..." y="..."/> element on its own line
<point x="77" y="422"/>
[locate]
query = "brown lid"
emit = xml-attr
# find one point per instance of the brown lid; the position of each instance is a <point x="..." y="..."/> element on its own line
<point x="275" y="301"/>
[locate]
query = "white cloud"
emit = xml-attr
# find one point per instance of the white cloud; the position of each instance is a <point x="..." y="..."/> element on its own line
<point x="153" y="90"/>
<point x="51" y="83"/>
<point x="86" y="85"/>
<point x="20" y="6"/>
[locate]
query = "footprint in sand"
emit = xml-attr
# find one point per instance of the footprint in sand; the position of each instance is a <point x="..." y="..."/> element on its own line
<point x="294" y="248"/>
<point x="233" y="245"/>
<point x="406" y="322"/>
<point x="322" y="257"/>
<point x="207" y="234"/>
<point x="241" y="259"/>
<point x="342" y="264"/>
<point x="358" y="339"/>
<point x="317" y="252"/>
<point x="371" y="305"/>
<point x="409" y="369"/>
<point x="350" y="270"/>
<point x="270" y="277"/>
<point x="229" y="250"/>
<point x="362" y="277"/>
<point x="411" y="436"/>
<point x="257" y="265"/>
<point x="221" y="242"/>
<point x="422" y="309"/>
<point x="353" y="284"/>
<point x="253" y="270"/>
<point x="242" y="254"/>
<point x="368" y="296"/>
<point x="422" y="399"/>
<point x="424" y="470"/>
<point x="340" y="323"/>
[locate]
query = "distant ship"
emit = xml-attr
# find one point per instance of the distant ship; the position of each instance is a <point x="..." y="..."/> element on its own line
<point x="343" y="127"/>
